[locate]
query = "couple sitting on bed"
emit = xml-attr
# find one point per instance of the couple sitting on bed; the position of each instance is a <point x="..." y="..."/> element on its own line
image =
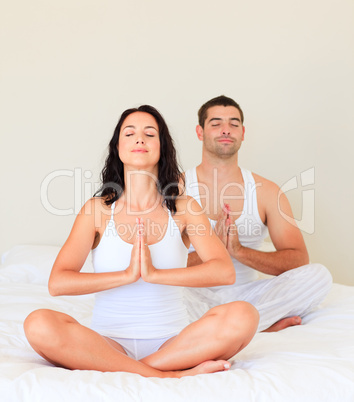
<point x="140" y="228"/>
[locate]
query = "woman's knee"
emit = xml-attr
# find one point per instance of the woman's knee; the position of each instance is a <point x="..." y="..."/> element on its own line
<point x="39" y="326"/>
<point x="245" y="314"/>
<point x="237" y="315"/>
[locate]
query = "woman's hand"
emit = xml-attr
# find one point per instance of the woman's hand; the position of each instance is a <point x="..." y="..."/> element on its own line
<point x="140" y="264"/>
<point x="133" y="271"/>
<point x="146" y="267"/>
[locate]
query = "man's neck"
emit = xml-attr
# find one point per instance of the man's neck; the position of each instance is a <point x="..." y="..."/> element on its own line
<point x="227" y="169"/>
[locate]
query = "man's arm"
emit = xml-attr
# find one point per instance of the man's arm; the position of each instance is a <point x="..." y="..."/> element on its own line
<point x="272" y="263"/>
<point x="284" y="233"/>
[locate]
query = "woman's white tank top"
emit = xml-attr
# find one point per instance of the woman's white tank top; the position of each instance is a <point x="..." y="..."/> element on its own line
<point x="251" y="229"/>
<point x="139" y="310"/>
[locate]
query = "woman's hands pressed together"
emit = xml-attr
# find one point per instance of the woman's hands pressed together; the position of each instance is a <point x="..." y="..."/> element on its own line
<point x="140" y="263"/>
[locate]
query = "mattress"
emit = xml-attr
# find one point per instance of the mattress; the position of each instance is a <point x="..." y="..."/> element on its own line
<point x="312" y="362"/>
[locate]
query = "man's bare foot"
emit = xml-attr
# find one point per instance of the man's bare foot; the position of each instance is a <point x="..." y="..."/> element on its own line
<point x="210" y="366"/>
<point x="284" y="323"/>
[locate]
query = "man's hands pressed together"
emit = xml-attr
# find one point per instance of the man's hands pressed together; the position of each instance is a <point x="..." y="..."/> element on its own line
<point x="226" y="230"/>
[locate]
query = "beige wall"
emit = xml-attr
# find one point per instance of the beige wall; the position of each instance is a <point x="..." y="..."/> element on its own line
<point x="69" y="68"/>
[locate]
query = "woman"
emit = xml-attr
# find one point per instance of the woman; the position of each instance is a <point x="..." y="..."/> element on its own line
<point x="139" y="230"/>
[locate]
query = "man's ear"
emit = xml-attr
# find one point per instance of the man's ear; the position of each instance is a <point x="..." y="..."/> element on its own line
<point x="243" y="133"/>
<point x="199" y="130"/>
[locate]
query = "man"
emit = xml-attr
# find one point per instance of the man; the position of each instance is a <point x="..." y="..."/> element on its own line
<point x="243" y="208"/>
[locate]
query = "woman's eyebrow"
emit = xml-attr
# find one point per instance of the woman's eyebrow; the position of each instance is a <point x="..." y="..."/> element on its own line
<point x="128" y="127"/>
<point x="131" y="126"/>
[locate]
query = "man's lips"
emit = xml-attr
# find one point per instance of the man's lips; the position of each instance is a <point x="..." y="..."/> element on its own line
<point x="227" y="140"/>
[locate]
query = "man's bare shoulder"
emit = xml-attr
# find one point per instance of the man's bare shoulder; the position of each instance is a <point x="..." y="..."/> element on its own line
<point x="265" y="186"/>
<point x="269" y="195"/>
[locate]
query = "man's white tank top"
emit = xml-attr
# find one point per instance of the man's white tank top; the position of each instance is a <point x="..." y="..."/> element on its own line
<point x="139" y="310"/>
<point x="251" y="229"/>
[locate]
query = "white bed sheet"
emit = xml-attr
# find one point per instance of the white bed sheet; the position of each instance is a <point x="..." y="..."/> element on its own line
<point x="312" y="362"/>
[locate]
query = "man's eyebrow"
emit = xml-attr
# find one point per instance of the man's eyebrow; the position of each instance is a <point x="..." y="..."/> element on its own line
<point x="219" y="118"/>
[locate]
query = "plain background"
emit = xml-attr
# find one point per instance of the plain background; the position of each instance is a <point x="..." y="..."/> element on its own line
<point x="69" y="68"/>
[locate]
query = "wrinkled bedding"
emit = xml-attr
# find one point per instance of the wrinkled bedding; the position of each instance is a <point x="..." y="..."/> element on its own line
<point x="312" y="362"/>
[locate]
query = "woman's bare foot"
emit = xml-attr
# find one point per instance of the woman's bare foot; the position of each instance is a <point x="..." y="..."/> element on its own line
<point x="210" y="366"/>
<point x="284" y="323"/>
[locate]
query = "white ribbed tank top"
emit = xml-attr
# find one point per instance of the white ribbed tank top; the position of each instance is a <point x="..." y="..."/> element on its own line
<point x="139" y="310"/>
<point x="251" y="229"/>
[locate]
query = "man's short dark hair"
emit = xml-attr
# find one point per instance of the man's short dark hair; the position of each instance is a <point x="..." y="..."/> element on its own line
<point x="218" y="101"/>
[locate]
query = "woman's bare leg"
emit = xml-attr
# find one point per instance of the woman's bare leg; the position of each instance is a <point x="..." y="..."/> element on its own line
<point x="221" y="333"/>
<point x="61" y="340"/>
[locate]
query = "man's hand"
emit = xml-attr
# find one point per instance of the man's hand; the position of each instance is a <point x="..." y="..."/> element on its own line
<point x="222" y="224"/>
<point x="233" y="243"/>
<point x="228" y="229"/>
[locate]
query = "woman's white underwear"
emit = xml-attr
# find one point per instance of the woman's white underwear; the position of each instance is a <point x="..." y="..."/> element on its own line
<point x="140" y="348"/>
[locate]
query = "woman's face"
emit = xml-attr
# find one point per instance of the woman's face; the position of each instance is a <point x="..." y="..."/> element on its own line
<point x="139" y="141"/>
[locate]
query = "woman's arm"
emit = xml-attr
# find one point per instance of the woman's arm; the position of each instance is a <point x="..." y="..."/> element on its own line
<point x="66" y="278"/>
<point x="216" y="268"/>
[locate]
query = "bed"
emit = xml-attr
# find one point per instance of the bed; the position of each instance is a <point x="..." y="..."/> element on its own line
<point x="312" y="362"/>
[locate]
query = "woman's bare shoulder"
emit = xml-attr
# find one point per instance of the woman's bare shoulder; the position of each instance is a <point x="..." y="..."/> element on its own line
<point x="95" y="208"/>
<point x="187" y="204"/>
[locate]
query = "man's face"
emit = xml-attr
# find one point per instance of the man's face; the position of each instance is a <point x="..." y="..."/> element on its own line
<point x="223" y="131"/>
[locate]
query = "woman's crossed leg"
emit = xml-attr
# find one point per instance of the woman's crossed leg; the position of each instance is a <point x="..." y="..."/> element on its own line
<point x="202" y="347"/>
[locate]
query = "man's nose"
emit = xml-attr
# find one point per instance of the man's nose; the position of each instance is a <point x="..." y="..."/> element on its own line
<point x="225" y="129"/>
